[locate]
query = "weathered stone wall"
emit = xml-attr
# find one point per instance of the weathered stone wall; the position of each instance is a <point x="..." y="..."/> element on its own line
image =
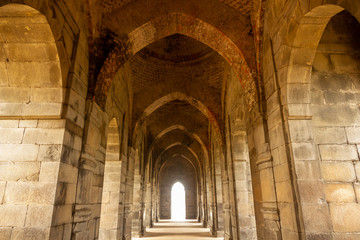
<point x="237" y="167"/>
<point x="292" y="31"/>
<point x="37" y="49"/>
<point x="335" y="96"/>
<point x="93" y="163"/>
<point x="178" y="170"/>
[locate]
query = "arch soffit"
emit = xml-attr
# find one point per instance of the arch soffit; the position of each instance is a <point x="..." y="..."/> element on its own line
<point x="196" y="161"/>
<point x="167" y="25"/>
<point x="172" y="129"/>
<point x="306" y="39"/>
<point x="172" y="97"/>
<point x="163" y="165"/>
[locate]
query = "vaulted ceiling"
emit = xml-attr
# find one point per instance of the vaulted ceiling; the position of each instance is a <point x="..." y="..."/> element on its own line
<point x="177" y="81"/>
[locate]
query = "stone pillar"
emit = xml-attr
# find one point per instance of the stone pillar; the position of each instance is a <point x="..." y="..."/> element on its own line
<point x="129" y="194"/>
<point x="86" y="218"/>
<point x="242" y="184"/>
<point x="34" y="171"/>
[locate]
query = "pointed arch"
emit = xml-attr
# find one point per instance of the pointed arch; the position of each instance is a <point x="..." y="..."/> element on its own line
<point x="167" y="25"/>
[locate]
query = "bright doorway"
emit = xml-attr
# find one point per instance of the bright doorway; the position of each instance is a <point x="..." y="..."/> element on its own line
<point x="178" y="202"/>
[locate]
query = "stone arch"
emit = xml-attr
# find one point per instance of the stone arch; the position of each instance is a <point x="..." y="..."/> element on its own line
<point x="187" y="177"/>
<point x="182" y="128"/>
<point x="175" y="190"/>
<point x="167" y="25"/>
<point x="30" y="65"/>
<point x="172" y="97"/>
<point x="294" y="55"/>
<point x="110" y="203"/>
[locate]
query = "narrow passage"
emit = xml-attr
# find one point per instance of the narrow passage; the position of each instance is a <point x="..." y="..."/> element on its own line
<point x="189" y="229"/>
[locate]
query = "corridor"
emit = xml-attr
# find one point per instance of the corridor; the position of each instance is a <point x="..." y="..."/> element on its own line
<point x="189" y="229"/>
<point x="239" y="119"/>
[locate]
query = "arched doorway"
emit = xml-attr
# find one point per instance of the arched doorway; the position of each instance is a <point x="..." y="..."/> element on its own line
<point x="178" y="208"/>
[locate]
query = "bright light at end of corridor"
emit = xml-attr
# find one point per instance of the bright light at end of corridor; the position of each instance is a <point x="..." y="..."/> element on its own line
<point x="178" y="202"/>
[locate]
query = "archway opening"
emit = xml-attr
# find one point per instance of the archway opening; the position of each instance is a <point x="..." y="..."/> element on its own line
<point x="111" y="196"/>
<point x="178" y="202"/>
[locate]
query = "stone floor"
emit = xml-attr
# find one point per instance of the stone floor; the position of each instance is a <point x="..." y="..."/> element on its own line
<point x="190" y="229"/>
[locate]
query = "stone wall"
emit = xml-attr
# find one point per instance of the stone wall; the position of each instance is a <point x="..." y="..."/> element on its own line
<point x="292" y="33"/>
<point x="237" y="167"/>
<point x="335" y="95"/>
<point x="41" y="136"/>
<point x="178" y="170"/>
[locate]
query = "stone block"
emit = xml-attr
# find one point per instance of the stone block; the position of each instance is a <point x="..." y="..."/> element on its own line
<point x="316" y="218"/>
<point x="68" y="173"/>
<point x="299" y="109"/>
<point x="3" y="75"/>
<point x="308" y="170"/>
<point x="59" y="123"/>
<point x="108" y="221"/>
<point x="284" y="192"/>
<point x="333" y="82"/>
<point x="9" y="123"/>
<point x="62" y="214"/>
<point x="330" y="135"/>
<point x="18" y="152"/>
<point x="31" y="233"/>
<point x="340" y="97"/>
<point x="11" y="109"/>
<point x="29" y="193"/>
<point x="338" y="152"/>
<point x="353" y="135"/>
<point x="300" y="131"/>
<point x="303" y="40"/>
<point x="28" y="123"/>
<point x="15" y="215"/>
<point x="42" y="109"/>
<point x="338" y="171"/>
<point x="31" y="52"/>
<point x="357" y="191"/>
<point x="311" y="191"/>
<point x="39" y="216"/>
<point x="14" y="94"/>
<point x="11" y="135"/>
<point x="49" y="172"/>
<point x="19" y="171"/>
<point x="321" y="62"/>
<point x="303" y="151"/>
<point x="47" y="95"/>
<point x="5" y="233"/>
<point x="107" y="234"/>
<point x="70" y="193"/>
<point x="50" y="153"/>
<point x="34" y="74"/>
<point x="345" y="63"/>
<point x="281" y="172"/>
<point x="287" y="216"/>
<point x="335" y="115"/>
<point x="276" y="137"/>
<point x="298" y="93"/>
<point x="317" y="98"/>
<point x="340" y="193"/>
<point x="56" y="233"/>
<point x="340" y="236"/>
<point x="274" y="119"/>
<point x="43" y="136"/>
<point x="357" y="170"/>
<point x="86" y="212"/>
<point x="2" y="191"/>
<point x="33" y="32"/>
<point x="345" y="217"/>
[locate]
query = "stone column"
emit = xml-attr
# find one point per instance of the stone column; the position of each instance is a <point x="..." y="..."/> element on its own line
<point x="86" y="218"/>
<point x="242" y="184"/>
